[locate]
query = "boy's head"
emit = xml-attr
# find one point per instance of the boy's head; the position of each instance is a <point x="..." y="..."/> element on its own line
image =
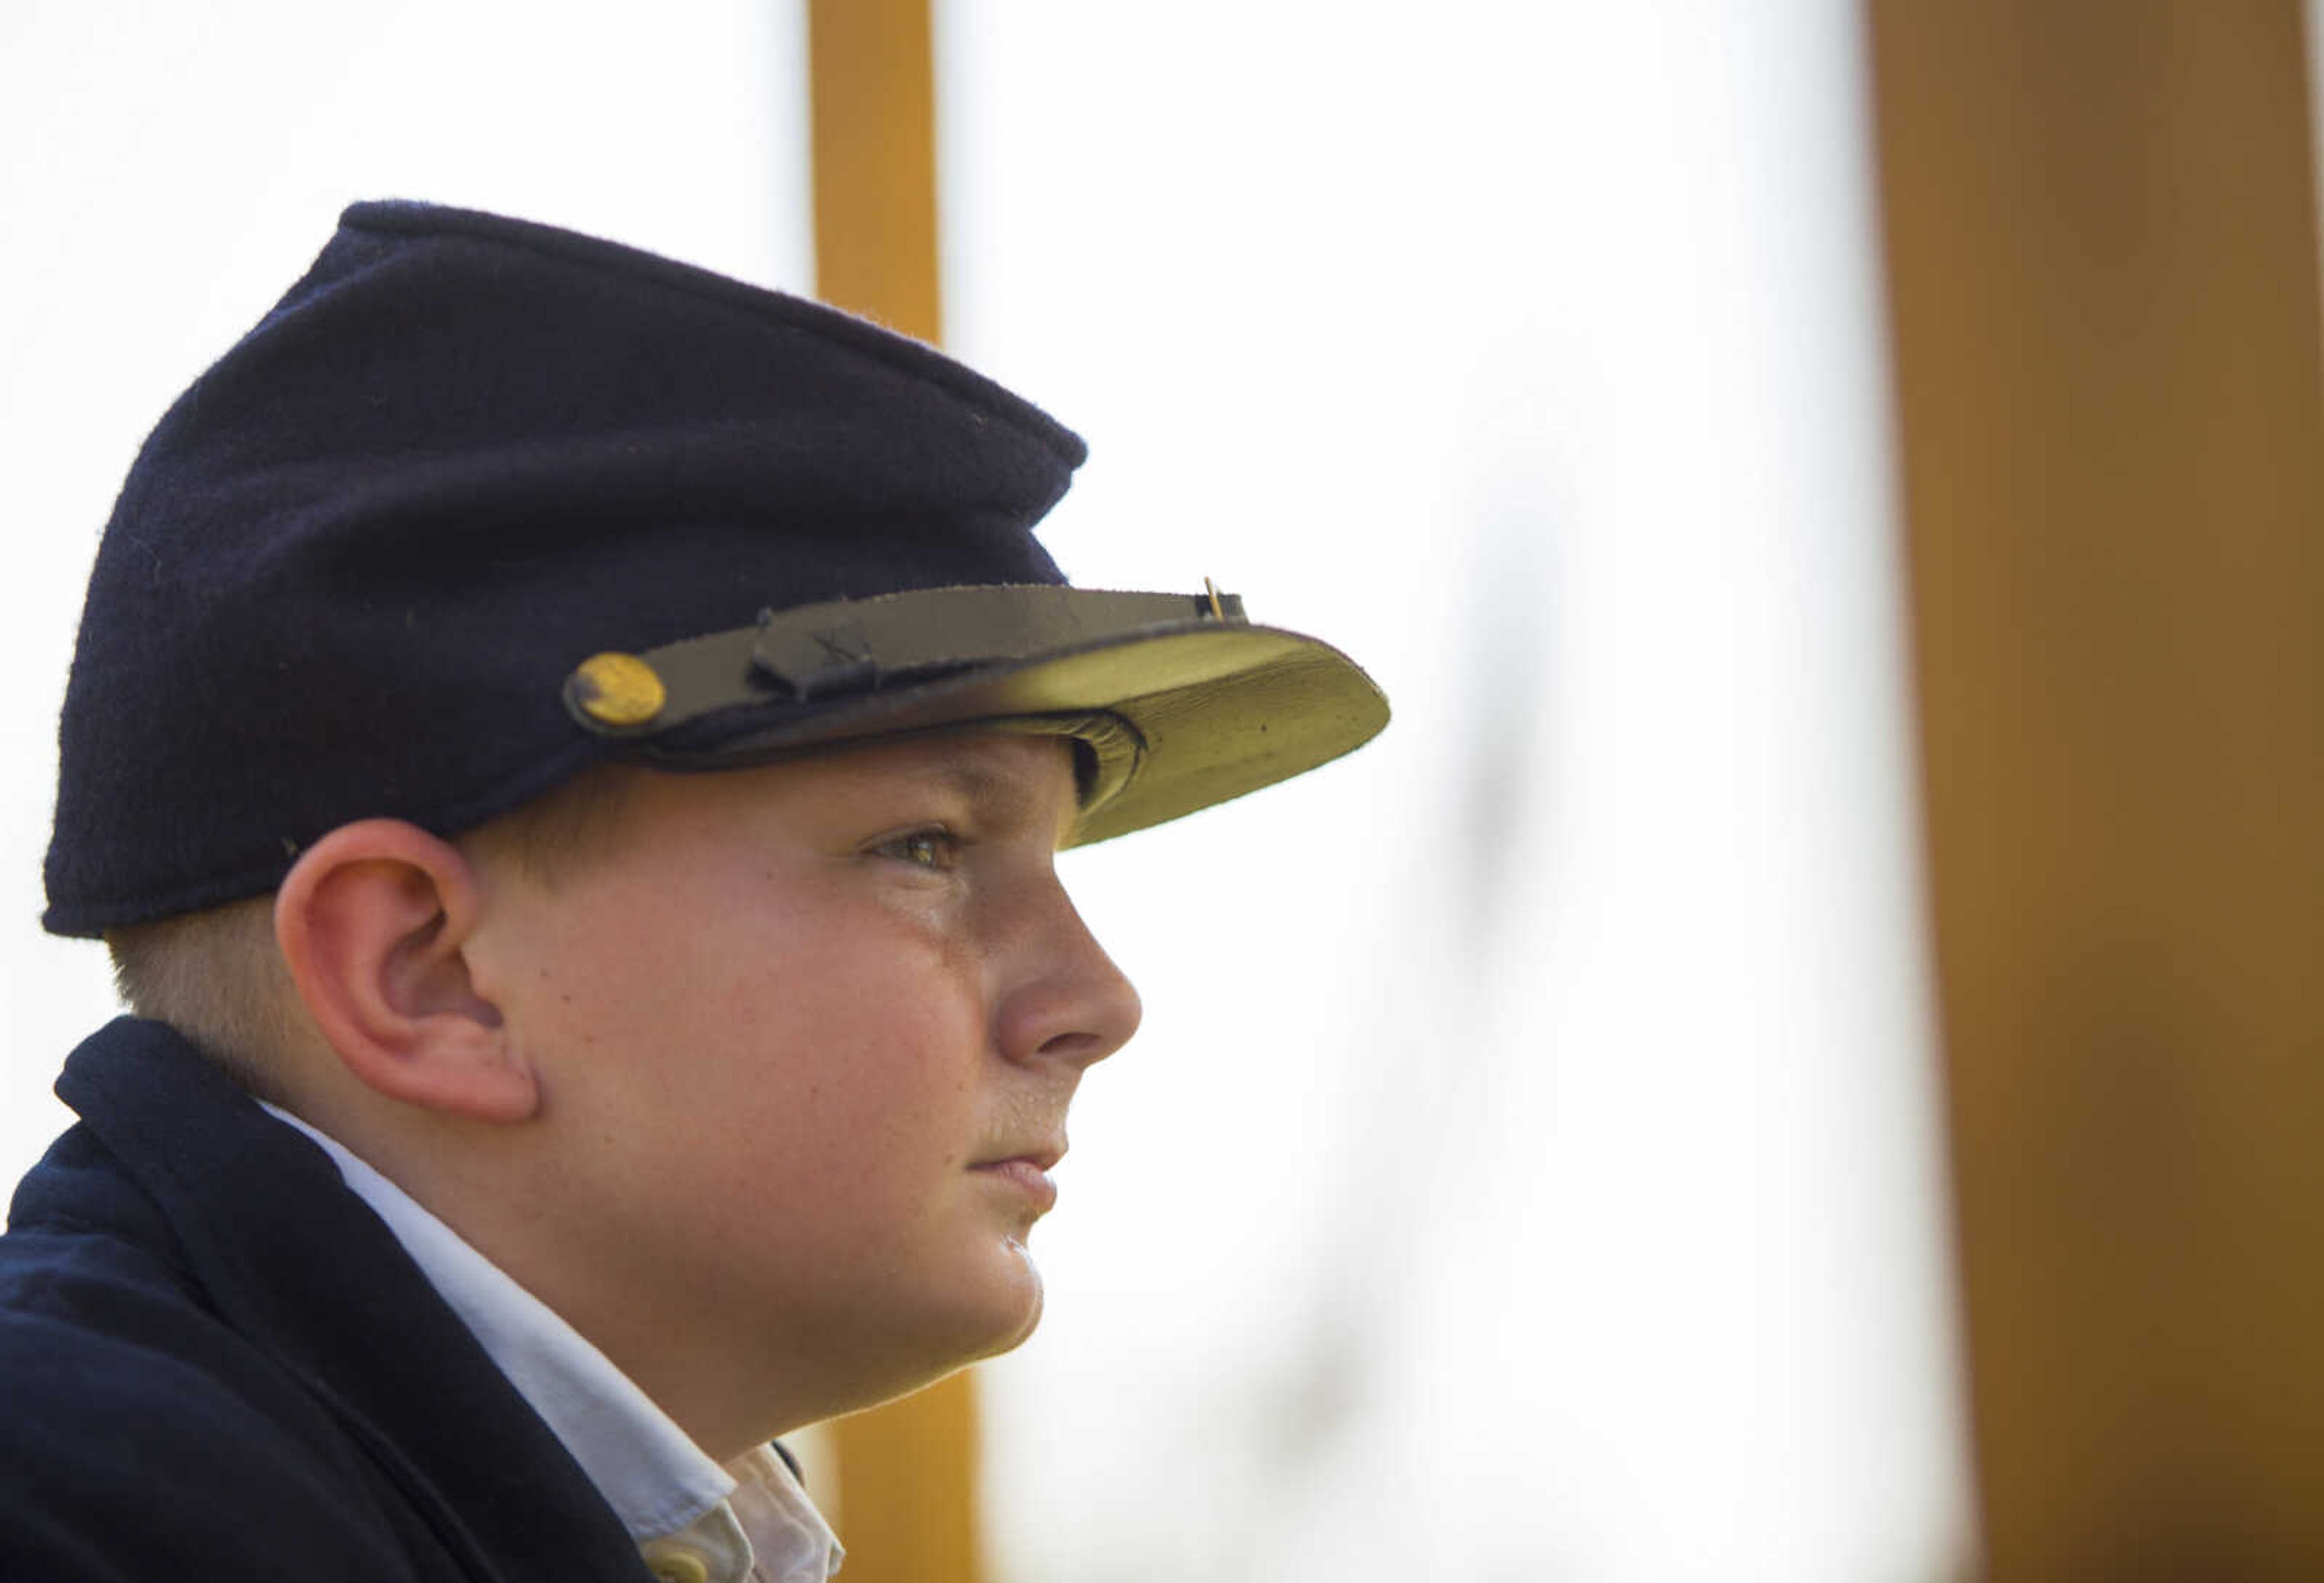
<point x="420" y="613"/>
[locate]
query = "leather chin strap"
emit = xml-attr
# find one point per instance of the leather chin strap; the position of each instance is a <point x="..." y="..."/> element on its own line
<point x="847" y="646"/>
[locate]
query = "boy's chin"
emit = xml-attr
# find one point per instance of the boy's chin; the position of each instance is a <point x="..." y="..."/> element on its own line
<point x="963" y="1336"/>
<point x="1036" y="1295"/>
<point x="1006" y="1311"/>
<point x="1016" y="1310"/>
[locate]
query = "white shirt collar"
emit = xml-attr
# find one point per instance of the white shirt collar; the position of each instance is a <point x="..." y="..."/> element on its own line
<point x="748" y="1520"/>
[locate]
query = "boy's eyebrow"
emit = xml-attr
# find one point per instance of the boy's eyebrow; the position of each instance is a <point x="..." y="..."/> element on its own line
<point x="1000" y="797"/>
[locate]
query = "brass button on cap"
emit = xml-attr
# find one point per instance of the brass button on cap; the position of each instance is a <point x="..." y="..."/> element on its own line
<point x="619" y="690"/>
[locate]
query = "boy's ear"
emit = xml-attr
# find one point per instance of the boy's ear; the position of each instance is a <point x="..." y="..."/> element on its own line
<point x="376" y="921"/>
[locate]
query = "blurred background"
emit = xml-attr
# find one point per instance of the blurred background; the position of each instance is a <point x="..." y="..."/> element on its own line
<point x="1532" y="1165"/>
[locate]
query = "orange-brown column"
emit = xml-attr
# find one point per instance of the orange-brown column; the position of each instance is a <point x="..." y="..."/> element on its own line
<point x="907" y="1471"/>
<point x="2101" y="255"/>
<point x="872" y="90"/>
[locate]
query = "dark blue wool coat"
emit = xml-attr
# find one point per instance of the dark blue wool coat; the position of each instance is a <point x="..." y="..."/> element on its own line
<point x="216" y="1362"/>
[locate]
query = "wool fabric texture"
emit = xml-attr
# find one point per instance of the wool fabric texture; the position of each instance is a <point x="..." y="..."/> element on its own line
<point x="353" y="565"/>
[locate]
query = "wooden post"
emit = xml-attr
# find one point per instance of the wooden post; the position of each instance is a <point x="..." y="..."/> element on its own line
<point x="907" y="1471"/>
<point x="2101" y="253"/>
<point x="872" y="91"/>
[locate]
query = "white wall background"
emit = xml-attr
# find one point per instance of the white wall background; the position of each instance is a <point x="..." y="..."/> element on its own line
<point x="1526" y="1171"/>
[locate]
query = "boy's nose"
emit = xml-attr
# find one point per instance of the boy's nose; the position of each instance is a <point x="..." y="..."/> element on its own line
<point x="1078" y="1009"/>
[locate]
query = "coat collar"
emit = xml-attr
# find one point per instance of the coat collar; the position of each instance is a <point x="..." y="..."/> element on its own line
<point x="300" y="1266"/>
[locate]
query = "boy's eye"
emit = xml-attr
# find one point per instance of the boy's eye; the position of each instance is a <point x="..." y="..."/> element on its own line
<point x="922" y="849"/>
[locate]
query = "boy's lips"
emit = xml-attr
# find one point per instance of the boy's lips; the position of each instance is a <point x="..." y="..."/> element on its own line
<point x="1027" y="1171"/>
<point x="1042" y="1155"/>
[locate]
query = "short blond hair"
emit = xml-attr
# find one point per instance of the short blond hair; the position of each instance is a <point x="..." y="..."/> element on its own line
<point x="219" y="977"/>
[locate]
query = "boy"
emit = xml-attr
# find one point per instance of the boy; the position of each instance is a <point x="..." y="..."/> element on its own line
<point x="520" y="1130"/>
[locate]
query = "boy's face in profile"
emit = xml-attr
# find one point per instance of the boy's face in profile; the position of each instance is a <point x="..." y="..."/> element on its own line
<point x="806" y="1033"/>
<point x="758" y="1094"/>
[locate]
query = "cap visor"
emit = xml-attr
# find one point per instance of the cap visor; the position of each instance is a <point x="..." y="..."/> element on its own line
<point x="1219" y="711"/>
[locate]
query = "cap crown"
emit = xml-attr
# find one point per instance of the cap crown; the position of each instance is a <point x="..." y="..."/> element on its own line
<point x="352" y="567"/>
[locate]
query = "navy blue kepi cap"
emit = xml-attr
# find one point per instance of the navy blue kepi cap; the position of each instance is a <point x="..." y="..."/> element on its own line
<point x="482" y="503"/>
